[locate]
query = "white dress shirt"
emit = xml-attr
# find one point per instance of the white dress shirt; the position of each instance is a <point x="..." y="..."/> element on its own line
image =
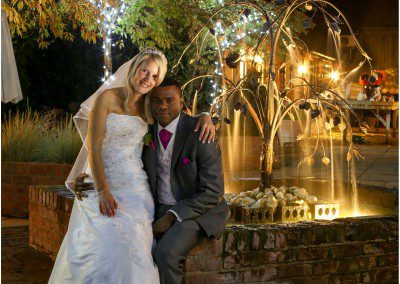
<point x="164" y="192"/>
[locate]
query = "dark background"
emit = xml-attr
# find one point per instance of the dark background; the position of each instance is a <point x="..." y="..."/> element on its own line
<point x="66" y="73"/>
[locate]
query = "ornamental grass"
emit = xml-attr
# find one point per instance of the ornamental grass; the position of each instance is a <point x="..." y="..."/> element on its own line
<point x="33" y="137"/>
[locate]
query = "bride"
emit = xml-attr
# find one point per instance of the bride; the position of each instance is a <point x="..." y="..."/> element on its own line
<point x="109" y="237"/>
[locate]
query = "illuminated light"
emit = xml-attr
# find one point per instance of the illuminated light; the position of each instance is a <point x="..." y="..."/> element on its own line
<point x="103" y="79"/>
<point x="108" y="40"/>
<point x="112" y="78"/>
<point x="302" y="69"/>
<point x="308" y="7"/>
<point x="258" y="59"/>
<point x="334" y="75"/>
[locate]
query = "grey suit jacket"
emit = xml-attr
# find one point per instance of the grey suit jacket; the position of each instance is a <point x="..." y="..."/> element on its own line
<point x="196" y="177"/>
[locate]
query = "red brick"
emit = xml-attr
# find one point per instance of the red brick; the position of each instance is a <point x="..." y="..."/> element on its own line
<point x="50" y="169"/>
<point x="43" y="180"/>
<point x="66" y="169"/>
<point x="5" y="169"/>
<point x="320" y="252"/>
<point x="381" y="275"/>
<point x="346" y="250"/>
<point x="37" y="169"/>
<point x="280" y="240"/>
<point x="320" y="279"/>
<point x="192" y="278"/>
<point x="224" y="277"/>
<point x="347" y="278"/>
<point x="28" y="169"/>
<point x="6" y="178"/>
<point x="295" y="270"/>
<point x="264" y="274"/>
<point x="349" y="264"/>
<point x="58" y="171"/>
<point x="203" y="262"/>
<point x="233" y="261"/>
<point x="20" y="169"/>
<point x="22" y="180"/>
<point x="388" y="260"/>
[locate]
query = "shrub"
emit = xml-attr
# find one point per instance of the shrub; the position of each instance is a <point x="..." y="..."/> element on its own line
<point x="21" y="137"/>
<point x="64" y="142"/>
<point x="33" y="137"/>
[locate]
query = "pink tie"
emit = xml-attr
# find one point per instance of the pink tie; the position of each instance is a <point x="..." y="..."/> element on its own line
<point x="165" y="136"/>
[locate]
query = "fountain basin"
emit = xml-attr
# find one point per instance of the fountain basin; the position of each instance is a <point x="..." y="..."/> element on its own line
<point x="373" y="200"/>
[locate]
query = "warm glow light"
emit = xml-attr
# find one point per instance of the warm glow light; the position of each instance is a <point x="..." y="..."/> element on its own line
<point x="258" y="59"/>
<point x="334" y="75"/>
<point x="302" y="69"/>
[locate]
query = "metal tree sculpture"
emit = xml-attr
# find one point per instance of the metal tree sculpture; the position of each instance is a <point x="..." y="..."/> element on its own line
<point x="272" y="29"/>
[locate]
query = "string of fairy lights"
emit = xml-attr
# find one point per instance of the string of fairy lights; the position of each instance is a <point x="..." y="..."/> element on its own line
<point x="110" y="17"/>
<point x="249" y="24"/>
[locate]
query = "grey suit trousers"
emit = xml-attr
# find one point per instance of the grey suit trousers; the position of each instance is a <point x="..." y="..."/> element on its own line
<point x="173" y="247"/>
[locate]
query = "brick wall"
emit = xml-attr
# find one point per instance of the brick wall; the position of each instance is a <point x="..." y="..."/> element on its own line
<point x="49" y="212"/>
<point x="351" y="250"/>
<point x="16" y="179"/>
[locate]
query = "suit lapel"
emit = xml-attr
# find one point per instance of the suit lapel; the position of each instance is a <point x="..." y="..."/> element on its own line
<point x="179" y="139"/>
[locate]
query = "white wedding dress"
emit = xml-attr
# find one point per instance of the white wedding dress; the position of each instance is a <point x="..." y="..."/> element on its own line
<point x="97" y="249"/>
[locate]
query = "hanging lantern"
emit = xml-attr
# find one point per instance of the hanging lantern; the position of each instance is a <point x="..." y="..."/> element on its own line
<point x="315" y="112"/>
<point x="307" y="23"/>
<point x="232" y="60"/>
<point x="266" y="25"/>
<point x="335" y="27"/>
<point x="246" y="12"/>
<point x="227" y="120"/>
<point x="305" y="106"/>
<point x="336" y="121"/>
<point x="238" y="106"/>
<point x="244" y="109"/>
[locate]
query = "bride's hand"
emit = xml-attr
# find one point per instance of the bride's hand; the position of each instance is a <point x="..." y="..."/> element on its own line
<point x="207" y="131"/>
<point x="107" y="203"/>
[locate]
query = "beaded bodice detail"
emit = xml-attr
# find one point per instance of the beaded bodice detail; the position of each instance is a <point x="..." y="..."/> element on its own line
<point x="122" y="150"/>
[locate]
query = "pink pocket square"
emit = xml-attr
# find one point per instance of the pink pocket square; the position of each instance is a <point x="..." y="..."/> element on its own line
<point x="186" y="161"/>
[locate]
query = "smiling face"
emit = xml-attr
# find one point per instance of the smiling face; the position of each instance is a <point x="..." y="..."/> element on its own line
<point x="146" y="76"/>
<point x="166" y="103"/>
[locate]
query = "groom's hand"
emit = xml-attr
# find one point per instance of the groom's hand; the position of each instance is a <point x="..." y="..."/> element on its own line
<point x="80" y="186"/>
<point x="162" y="225"/>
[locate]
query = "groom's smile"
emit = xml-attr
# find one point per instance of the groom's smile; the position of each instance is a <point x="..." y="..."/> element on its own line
<point x="166" y="103"/>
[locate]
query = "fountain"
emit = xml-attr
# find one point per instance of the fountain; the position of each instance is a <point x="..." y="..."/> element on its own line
<point x="270" y="91"/>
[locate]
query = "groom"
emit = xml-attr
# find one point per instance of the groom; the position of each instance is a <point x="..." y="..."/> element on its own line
<point x="185" y="177"/>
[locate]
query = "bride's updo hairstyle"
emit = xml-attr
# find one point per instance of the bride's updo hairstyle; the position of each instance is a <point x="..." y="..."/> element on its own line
<point x="145" y="54"/>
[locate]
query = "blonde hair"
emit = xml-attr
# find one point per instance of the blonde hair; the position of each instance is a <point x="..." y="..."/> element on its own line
<point x="161" y="61"/>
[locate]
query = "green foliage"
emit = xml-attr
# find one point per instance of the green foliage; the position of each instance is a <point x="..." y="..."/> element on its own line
<point x="33" y="137"/>
<point x="51" y="18"/>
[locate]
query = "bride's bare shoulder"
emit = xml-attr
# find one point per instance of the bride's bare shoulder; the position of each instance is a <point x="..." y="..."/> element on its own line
<point x="110" y="98"/>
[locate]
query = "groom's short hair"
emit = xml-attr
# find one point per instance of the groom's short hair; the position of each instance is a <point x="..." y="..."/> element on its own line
<point x="170" y="82"/>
